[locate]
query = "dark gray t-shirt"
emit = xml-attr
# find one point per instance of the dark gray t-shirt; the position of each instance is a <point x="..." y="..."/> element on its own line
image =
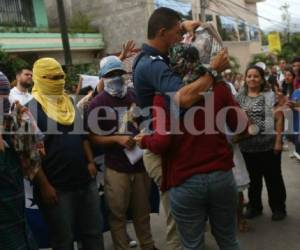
<point x="64" y="164"/>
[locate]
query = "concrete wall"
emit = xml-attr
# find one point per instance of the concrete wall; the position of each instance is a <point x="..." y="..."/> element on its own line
<point x="52" y="11"/>
<point x="243" y="52"/>
<point x="117" y="20"/>
<point x="78" y="57"/>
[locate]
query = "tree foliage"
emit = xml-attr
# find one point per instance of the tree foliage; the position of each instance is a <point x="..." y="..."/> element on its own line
<point x="234" y="64"/>
<point x="268" y="59"/>
<point x="291" y="49"/>
<point x="72" y="77"/>
<point x="9" y="65"/>
<point x="81" y="23"/>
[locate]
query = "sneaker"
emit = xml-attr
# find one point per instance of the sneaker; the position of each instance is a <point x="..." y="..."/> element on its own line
<point x="285" y="147"/>
<point x="252" y="213"/>
<point x="291" y="155"/>
<point x="131" y="243"/>
<point x="297" y="155"/>
<point x="278" y="216"/>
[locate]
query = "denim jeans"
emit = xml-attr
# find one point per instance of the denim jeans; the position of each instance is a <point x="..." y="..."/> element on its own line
<point x="210" y="196"/>
<point x="77" y="210"/>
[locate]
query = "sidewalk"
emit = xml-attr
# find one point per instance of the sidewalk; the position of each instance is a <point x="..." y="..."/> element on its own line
<point x="265" y="234"/>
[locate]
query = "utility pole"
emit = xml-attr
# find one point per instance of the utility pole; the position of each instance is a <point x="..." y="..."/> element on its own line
<point x="64" y="33"/>
<point x="203" y="6"/>
<point x="286" y="17"/>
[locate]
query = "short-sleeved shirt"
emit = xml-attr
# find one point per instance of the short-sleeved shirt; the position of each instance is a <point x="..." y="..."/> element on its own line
<point x="17" y="95"/>
<point x="151" y="74"/>
<point x="65" y="164"/>
<point x="114" y="109"/>
<point x="259" y="110"/>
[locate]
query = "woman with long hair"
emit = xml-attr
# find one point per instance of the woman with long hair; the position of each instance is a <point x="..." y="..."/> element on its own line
<point x="262" y="152"/>
<point x="287" y="85"/>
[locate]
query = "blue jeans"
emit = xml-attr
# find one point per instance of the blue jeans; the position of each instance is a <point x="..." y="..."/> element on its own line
<point x="210" y="196"/>
<point x="78" y="211"/>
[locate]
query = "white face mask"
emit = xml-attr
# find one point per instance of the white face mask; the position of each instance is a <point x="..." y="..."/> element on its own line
<point x="115" y="86"/>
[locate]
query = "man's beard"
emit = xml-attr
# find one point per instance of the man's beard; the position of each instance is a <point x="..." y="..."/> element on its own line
<point x="25" y="85"/>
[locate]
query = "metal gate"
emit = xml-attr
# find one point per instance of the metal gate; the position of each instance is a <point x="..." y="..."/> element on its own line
<point x="16" y="13"/>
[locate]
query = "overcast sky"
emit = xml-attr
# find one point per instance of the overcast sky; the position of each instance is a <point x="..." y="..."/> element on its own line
<point x="271" y="9"/>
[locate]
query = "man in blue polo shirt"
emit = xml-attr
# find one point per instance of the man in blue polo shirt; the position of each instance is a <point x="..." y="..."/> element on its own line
<point x="151" y="74"/>
<point x="151" y="71"/>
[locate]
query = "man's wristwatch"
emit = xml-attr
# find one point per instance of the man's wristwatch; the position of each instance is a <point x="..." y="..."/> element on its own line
<point x="215" y="74"/>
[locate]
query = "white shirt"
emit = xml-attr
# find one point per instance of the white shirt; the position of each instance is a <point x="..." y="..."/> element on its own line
<point x="280" y="78"/>
<point x="232" y="88"/>
<point x="17" y="95"/>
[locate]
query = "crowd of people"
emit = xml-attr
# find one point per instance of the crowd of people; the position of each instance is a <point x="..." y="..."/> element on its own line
<point x="202" y="134"/>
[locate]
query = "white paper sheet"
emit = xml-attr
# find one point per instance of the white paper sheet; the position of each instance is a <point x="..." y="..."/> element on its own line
<point x="89" y="81"/>
<point x="134" y="155"/>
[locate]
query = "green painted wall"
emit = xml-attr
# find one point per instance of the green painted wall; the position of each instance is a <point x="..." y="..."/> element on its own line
<point x="26" y="35"/>
<point x="40" y="13"/>
<point x="92" y="42"/>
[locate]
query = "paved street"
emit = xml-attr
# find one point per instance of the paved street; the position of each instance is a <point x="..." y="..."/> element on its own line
<point x="265" y="234"/>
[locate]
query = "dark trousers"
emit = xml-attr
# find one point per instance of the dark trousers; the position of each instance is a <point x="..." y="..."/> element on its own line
<point x="265" y="165"/>
<point x="79" y="209"/>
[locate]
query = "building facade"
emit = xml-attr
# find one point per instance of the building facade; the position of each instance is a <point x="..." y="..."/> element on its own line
<point x="121" y="20"/>
<point x="25" y="31"/>
<point x="118" y="21"/>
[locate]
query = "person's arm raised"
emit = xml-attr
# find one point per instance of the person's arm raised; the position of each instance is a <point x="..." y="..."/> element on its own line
<point x="189" y="26"/>
<point x="128" y="50"/>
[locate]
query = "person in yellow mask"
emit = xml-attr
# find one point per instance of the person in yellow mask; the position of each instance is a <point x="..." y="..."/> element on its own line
<point x="67" y="195"/>
<point x="48" y="90"/>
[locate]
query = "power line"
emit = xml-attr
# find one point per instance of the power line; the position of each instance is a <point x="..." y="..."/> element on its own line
<point x="236" y="15"/>
<point x="234" y="19"/>
<point x="252" y="12"/>
<point x="203" y="5"/>
<point x="226" y="9"/>
<point x="147" y="2"/>
<point x="250" y="25"/>
<point x="278" y="8"/>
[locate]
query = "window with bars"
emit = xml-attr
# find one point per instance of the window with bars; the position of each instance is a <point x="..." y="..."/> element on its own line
<point x="17" y="13"/>
<point x="232" y="29"/>
<point x="227" y="28"/>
